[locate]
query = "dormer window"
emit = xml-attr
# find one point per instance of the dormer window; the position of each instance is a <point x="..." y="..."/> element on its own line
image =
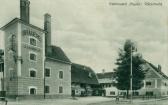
<point x="90" y="75"/>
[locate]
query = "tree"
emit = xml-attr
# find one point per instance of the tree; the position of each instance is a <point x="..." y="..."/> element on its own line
<point x="122" y="72"/>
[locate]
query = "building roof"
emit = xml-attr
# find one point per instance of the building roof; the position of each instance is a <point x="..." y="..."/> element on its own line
<point x="56" y="53"/>
<point x="157" y="73"/>
<point x="105" y="75"/>
<point x="156" y="69"/>
<point x="83" y="74"/>
<point x="21" y="21"/>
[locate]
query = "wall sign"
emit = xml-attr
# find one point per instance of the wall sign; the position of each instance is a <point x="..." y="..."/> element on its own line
<point x="31" y="33"/>
<point x="32" y="48"/>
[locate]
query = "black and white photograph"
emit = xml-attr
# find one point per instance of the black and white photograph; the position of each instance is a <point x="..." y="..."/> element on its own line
<point x="83" y="52"/>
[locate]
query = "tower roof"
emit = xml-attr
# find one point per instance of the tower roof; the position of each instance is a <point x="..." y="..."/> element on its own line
<point x="15" y="20"/>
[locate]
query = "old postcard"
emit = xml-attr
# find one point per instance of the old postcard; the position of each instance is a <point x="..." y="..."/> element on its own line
<point x="83" y="52"/>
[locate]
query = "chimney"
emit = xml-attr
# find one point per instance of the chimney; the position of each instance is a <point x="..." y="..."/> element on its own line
<point x="47" y="28"/>
<point x="103" y="71"/>
<point x="24" y="10"/>
<point x="159" y="68"/>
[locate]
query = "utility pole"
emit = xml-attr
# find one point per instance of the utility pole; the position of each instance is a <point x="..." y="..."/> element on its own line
<point x="131" y="77"/>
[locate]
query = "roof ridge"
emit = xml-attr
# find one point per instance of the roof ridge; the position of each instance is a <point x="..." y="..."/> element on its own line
<point x="158" y="71"/>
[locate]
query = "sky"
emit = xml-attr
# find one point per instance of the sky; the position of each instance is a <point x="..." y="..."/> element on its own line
<point x="91" y="31"/>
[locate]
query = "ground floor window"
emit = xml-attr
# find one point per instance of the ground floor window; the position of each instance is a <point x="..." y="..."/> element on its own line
<point x="32" y="91"/>
<point x="60" y="89"/>
<point x="123" y="93"/>
<point x="135" y="93"/>
<point x="112" y="93"/>
<point x="47" y="89"/>
<point x="149" y="93"/>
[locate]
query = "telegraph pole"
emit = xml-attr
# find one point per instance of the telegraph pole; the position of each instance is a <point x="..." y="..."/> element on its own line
<point x="131" y="77"/>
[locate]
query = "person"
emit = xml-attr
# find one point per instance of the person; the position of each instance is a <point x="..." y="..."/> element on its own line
<point x="117" y="98"/>
<point x="73" y="94"/>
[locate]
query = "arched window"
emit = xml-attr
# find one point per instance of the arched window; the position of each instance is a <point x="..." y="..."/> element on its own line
<point x="60" y="89"/>
<point x="32" y="91"/>
<point x="32" y="73"/>
<point x="12" y="42"/>
<point x="33" y="42"/>
<point x="33" y="57"/>
<point x="61" y="74"/>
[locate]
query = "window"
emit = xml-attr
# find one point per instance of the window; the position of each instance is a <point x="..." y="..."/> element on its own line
<point x="32" y="91"/>
<point x="13" y="43"/>
<point x="90" y="75"/>
<point x="32" y="73"/>
<point x="32" y="56"/>
<point x="60" y="89"/>
<point x="11" y="74"/>
<point x="112" y="93"/>
<point x="47" y="89"/>
<point x="33" y="42"/>
<point x="123" y="93"/>
<point x="148" y="83"/>
<point x="165" y="84"/>
<point x="149" y="93"/>
<point x="47" y="72"/>
<point x="135" y="93"/>
<point x="60" y="74"/>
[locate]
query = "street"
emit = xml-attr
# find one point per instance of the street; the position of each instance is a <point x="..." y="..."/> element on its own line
<point x="87" y="101"/>
<point x="136" y="102"/>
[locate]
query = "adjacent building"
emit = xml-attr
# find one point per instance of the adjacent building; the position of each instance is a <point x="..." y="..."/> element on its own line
<point x="33" y="67"/>
<point x="1" y="72"/>
<point x="106" y="81"/>
<point x="57" y="73"/>
<point x="155" y="83"/>
<point x="84" y="81"/>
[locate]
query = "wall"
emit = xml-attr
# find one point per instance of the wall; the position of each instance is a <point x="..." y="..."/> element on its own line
<point x="18" y="60"/>
<point x="9" y="59"/>
<point x="54" y="82"/>
<point x="25" y="81"/>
